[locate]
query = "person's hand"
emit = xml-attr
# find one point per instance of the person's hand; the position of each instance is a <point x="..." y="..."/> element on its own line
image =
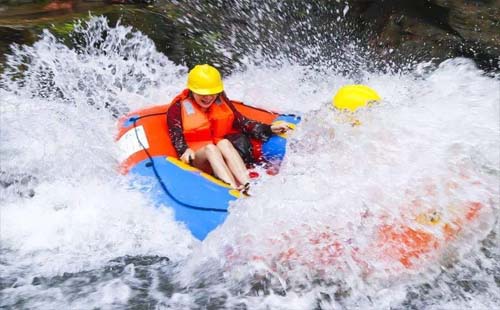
<point x="280" y="128"/>
<point x="188" y="156"/>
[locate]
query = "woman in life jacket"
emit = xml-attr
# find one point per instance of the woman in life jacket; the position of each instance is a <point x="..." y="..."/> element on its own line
<point x="209" y="133"/>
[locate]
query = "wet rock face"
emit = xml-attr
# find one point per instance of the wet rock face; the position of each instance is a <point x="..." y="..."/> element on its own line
<point x="12" y="34"/>
<point x="478" y="24"/>
<point x="222" y="32"/>
<point x="433" y="29"/>
<point x="22" y="21"/>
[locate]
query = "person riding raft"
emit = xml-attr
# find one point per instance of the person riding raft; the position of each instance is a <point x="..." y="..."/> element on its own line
<point x="209" y="133"/>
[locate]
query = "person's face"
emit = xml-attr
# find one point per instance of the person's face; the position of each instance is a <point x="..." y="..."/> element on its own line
<point x="204" y="101"/>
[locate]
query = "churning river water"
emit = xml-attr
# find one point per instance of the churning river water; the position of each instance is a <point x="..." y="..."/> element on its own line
<point x="75" y="234"/>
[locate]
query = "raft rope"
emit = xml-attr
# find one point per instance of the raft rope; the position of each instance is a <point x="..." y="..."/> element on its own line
<point x="157" y="175"/>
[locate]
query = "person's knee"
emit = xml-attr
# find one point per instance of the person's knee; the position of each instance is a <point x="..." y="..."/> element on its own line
<point x="224" y="144"/>
<point x="211" y="149"/>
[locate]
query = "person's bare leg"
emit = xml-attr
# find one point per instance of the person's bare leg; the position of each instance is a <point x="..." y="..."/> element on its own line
<point x="212" y="155"/>
<point x="234" y="161"/>
<point x="201" y="161"/>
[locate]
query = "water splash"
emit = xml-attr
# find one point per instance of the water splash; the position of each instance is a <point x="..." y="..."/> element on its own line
<point x="414" y="155"/>
<point x="57" y="127"/>
<point x="107" y="67"/>
<point x="310" y="33"/>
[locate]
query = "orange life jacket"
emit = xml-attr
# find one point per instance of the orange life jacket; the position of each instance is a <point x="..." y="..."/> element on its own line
<point x="201" y="128"/>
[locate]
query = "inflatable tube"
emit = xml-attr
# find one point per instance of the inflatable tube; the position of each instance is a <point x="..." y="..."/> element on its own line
<point x="199" y="200"/>
<point x="431" y="224"/>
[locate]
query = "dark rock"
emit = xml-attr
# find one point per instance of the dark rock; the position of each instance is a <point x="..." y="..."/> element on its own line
<point x="436" y="29"/>
<point x="21" y="22"/>
<point x="14" y="34"/>
<point x="222" y="32"/>
<point x="157" y="24"/>
<point x="478" y="24"/>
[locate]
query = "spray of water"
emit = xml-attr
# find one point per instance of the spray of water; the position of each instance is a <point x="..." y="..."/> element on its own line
<point x="306" y="239"/>
<point x="430" y="146"/>
<point x="57" y="130"/>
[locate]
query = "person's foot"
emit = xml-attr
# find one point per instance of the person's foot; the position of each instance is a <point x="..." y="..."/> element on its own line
<point x="244" y="188"/>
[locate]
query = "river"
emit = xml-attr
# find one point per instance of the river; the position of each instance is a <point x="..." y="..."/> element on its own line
<point x="75" y="234"/>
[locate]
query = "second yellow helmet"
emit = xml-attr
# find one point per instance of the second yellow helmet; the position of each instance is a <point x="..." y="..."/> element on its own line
<point x="353" y="97"/>
<point x="205" y="80"/>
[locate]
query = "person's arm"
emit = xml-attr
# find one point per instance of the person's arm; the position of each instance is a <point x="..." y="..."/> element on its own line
<point x="250" y="127"/>
<point x="174" y="123"/>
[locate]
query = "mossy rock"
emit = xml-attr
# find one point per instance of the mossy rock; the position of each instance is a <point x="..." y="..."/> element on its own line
<point x="23" y="23"/>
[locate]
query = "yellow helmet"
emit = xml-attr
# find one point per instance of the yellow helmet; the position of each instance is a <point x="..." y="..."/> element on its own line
<point x="205" y="80"/>
<point x="353" y="97"/>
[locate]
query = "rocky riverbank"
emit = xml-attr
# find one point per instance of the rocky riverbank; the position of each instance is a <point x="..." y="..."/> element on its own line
<point x="434" y="29"/>
<point x="222" y="32"/>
